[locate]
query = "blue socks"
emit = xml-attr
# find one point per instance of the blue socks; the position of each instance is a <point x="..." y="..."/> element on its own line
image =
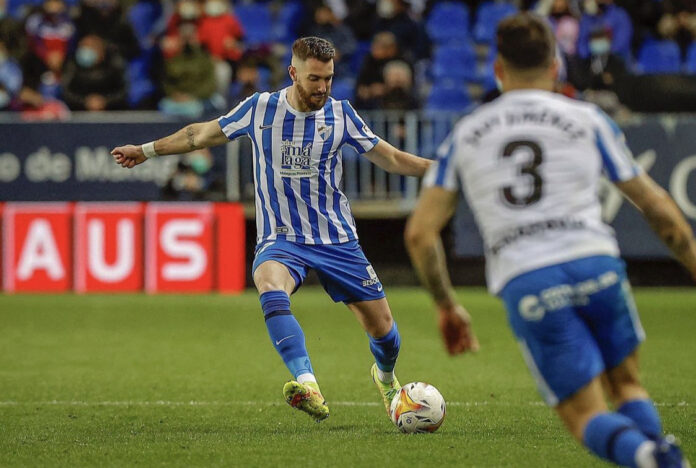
<point x="614" y="437"/>
<point x="286" y="334"/>
<point x="644" y="415"/>
<point x="386" y="349"/>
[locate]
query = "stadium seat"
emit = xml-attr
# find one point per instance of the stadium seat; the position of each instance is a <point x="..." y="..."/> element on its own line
<point x="488" y="16"/>
<point x="455" y="62"/>
<point x="447" y="22"/>
<point x="286" y="21"/>
<point x="659" y="57"/>
<point x="257" y="21"/>
<point x="343" y="89"/>
<point x="143" y="17"/>
<point x="448" y="98"/>
<point x="690" y="63"/>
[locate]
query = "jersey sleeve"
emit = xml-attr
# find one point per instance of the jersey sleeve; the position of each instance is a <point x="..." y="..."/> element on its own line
<point x="443" y="171"/>
<point x="617" y="158"/>
<point x="237" y="122"/>
<point x="357" y="134"/>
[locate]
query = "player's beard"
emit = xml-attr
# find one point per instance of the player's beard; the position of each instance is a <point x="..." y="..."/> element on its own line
<point x="312" y="101"/>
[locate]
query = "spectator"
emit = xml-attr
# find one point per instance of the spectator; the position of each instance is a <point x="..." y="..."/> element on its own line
<point x="679" y="27"/>
<point x="248" y="80"/>
<point x="564" y="21"/>
<point x="393" y="16"/>
<point x="326" y="25"/>
<point x="398" y="87"/>
<point x="11" y="33"/>
<point x="601" y="74"/>
<point x="189" y="77"/>
<point x="50" y="32"/>
<point x="370" y="83"/>
<point x="94" y="77"/>
<point x="194" y="179"/>
<point x="360" y="19"/>
<point x="187" y="11"/>
<point x="104" y="18"/>
<point x="221" y="33"/>
<point x="10" y="78"/>
<point x="604" y="14"/>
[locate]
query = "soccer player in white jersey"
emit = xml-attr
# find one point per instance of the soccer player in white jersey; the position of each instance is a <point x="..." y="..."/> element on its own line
<point x="529" y="164"/>
<point x="303" y="218"/>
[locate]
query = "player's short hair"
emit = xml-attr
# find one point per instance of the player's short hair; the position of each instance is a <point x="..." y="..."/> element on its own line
<point x="313" y="47"/>
<point x="525" y="41"/>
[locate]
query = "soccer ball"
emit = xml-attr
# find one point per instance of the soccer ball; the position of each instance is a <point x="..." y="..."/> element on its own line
<point x="417" y="407"/>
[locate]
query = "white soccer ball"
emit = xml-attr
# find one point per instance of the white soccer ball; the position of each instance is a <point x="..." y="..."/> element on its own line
<point x="417" y="407"/>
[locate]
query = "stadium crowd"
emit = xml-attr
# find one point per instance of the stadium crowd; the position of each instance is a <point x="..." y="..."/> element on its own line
<point x="191" y="58"/>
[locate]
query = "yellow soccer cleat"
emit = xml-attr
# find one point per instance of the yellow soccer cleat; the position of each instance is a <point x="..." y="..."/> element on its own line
<point x="387" y="390"/>
<point x="307" y="398"/>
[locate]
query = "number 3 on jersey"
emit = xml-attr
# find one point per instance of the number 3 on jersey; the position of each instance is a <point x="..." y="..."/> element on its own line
<point x="527" y="169"/>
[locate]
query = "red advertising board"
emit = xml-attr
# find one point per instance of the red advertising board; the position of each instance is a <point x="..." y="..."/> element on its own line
<point x="179" y="247"/>
<point x="108" y="247"/>
<point x="37" y="247"/>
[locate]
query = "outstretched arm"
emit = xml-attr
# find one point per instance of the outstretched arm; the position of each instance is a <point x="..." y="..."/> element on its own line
<point x="192" y="137"/>
<point x="435" y="207"/>
<point x="396" y="161"/>
<point x="664" y="217"/>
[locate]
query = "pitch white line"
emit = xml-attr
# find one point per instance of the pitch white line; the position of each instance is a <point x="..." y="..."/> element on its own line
<point x="260" y="403"/>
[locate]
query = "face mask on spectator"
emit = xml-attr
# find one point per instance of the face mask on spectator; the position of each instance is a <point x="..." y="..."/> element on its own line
<point x="4" y="99"/>
<point x="214" y="8"/>
<point x="600" y="46"/>
<point x="188" y="10"/>
<point x="199" y="163"/>
<point x="590" y="7"/>
<point x="86" y="56"/>
<point x="385" y="8"/>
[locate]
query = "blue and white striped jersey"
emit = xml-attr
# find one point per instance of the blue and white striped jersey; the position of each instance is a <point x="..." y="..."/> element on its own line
<point x="298" y="166"/>
<point x="529" y="164"/>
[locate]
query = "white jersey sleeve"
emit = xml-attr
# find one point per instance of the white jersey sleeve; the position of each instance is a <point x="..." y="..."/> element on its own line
<point x="236" y="123"/>
<point x="617" y="159"/>
<point x="357" y="133"/>
<point x="443" y="172"/>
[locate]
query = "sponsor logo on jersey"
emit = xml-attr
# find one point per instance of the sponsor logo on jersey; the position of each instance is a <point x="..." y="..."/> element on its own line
<point x="295" y="159"/>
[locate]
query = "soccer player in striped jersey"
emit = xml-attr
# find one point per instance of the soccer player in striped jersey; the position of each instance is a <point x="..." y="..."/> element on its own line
<point x="303" y="218"/>
<point x="529" y="164"/>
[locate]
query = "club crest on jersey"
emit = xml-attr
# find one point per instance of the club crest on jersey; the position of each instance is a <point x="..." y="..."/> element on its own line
<point x="325" y="131"/>
<point x="295" y="159"/>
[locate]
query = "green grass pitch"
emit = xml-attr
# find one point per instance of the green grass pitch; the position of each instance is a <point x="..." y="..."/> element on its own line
<point x="194" y="381"/>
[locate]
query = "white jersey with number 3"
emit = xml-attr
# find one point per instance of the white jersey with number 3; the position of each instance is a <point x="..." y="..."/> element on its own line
<point x="529" y="164"/>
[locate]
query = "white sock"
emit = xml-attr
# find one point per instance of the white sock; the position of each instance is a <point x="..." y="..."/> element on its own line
<point x="306" y="377"/>
<point x="644" y="455"/>
<point x="385" y="377"/>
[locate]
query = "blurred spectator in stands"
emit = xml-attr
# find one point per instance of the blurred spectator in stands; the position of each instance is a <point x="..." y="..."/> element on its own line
<point x="604" y="14"/>
<point x="221" y="33"/>
<point x="326" y="25"/>
<point x="398" y="87"/>
<point x="680" y="27"/>
<point x="194" y="179"/>
<point x="186" y="11"/>
<point x="10" y="79"/>
<point x="189" y="77"/>
<point x="50" y="32"/>
<point x="105" y="18"/>
<point x="361" y="19"/>
<point x="11" y="33"/>
<point x="393" y="16"/>
<point x="247" y="82"/>
<point x="370" y="83"/>
<point x="564" y="20"/>
<point x="600" y="75"/>
<point x="93" y="79"/>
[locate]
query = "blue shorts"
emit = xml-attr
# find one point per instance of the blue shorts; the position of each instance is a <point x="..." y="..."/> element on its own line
<point x="343" y="270"/>
<point x="573" y="320"/>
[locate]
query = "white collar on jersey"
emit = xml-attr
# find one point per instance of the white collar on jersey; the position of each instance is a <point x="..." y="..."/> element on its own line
<point x="292" y="110"/>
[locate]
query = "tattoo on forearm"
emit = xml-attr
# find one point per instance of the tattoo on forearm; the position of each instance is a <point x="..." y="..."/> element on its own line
<point x="434" y="272"/>
<point x="190" y="138"/>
